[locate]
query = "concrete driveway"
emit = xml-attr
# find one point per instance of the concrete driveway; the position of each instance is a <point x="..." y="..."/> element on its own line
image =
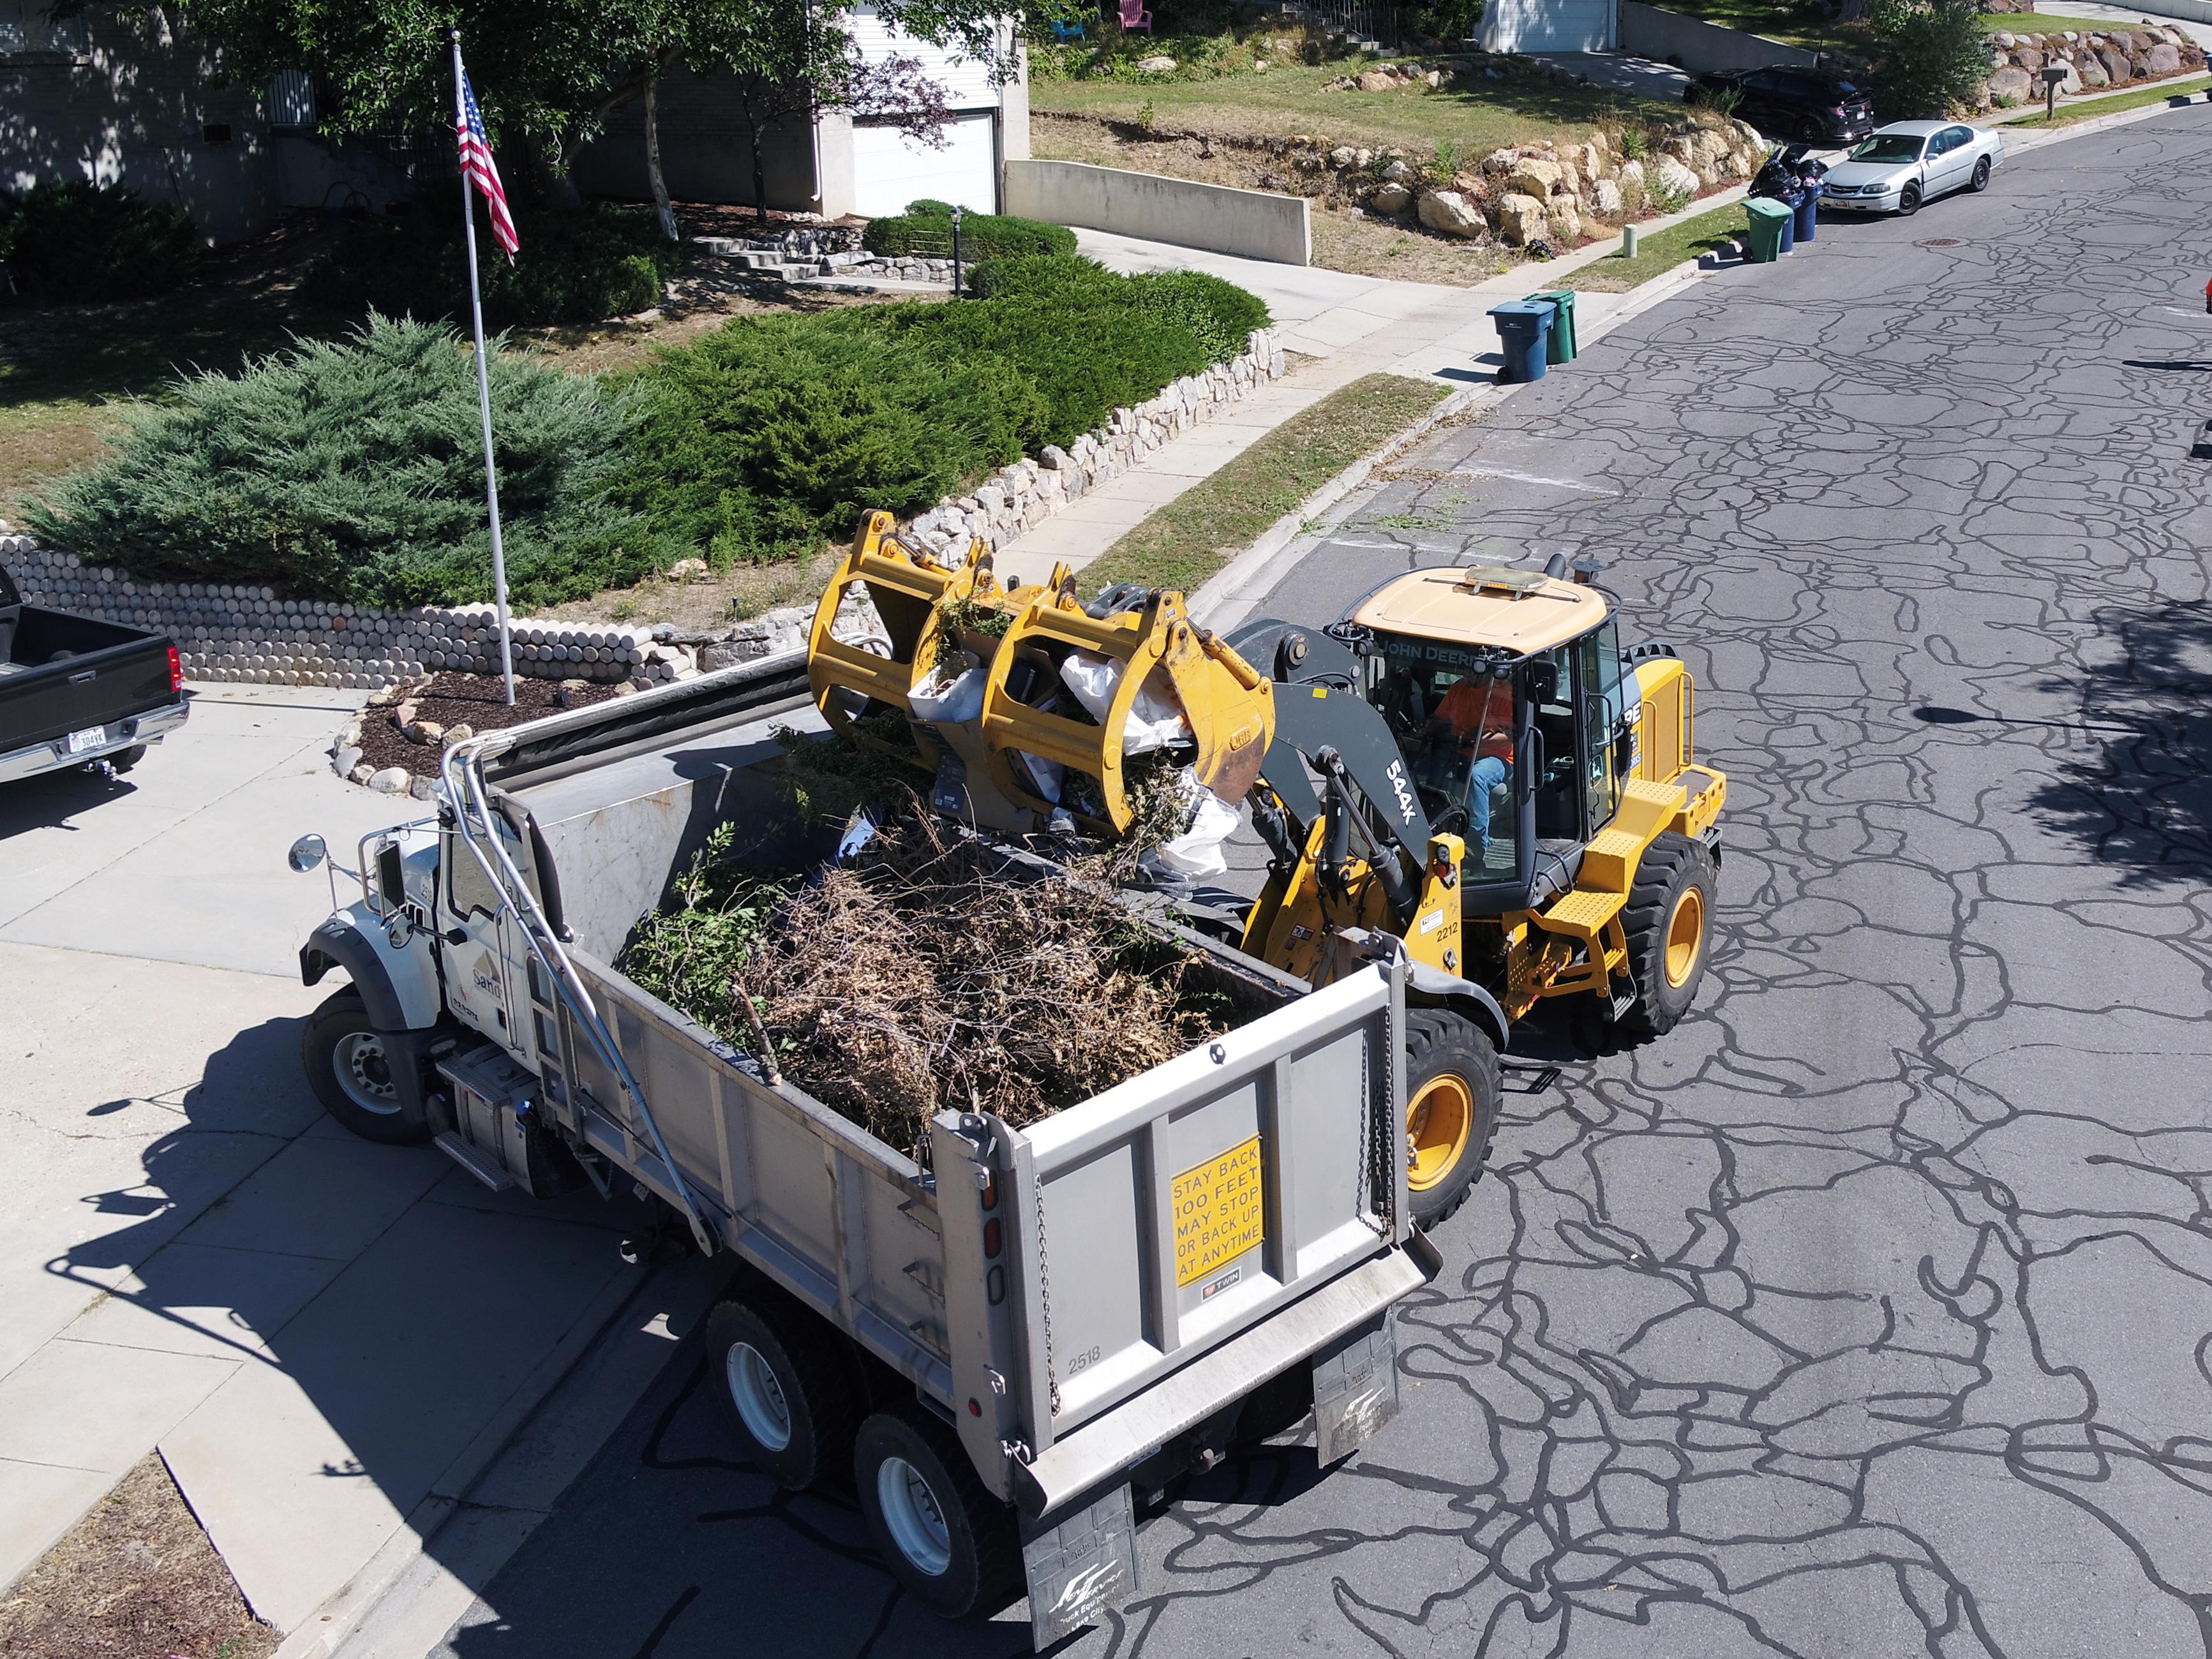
<point x="325" y="1339"/>
<point x="1865" y="1314"/>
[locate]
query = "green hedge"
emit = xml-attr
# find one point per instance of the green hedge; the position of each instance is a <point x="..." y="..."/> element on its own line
<point x="574" y="267"/>
<point x="80" y="243"/>
<point x="354" y="470"/>
<point x="775" y="433"/>
<point x="925" y="230"/>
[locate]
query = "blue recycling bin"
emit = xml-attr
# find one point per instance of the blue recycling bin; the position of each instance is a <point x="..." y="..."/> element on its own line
<point x="1808" y="213"/>
<point x="1523" y="329"/>
<point x="1789" y="226"/>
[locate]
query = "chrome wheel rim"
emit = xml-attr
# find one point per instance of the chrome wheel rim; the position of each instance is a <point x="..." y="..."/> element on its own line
<point x="916" y="1522"/>
<point x="757" y="1395"/>
<point x="364" y="1074"/>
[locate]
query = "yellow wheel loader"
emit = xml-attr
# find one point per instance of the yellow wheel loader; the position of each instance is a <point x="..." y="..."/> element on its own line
<point x="1469" y="760"/>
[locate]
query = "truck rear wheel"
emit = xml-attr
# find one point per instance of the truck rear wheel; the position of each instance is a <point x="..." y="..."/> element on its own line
<point x="349" y="1067"/>
<point x="1451" y="1107"/>
<point x="1669" y="923"/>
<point x="787" y="1387"/>
<point x="947" y="1540"/>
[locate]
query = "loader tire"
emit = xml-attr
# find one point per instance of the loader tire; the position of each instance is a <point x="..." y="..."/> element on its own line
<point x="1451" y="1108"/>
<point x="787" y="1387"/>
<point x="1669" y="920"/>
<point x="953" y="1545"/>
<point x="349" y="1067"/>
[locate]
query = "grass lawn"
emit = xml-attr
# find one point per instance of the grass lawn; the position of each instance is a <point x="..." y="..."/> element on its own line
<point x="2088" y="109"/>
<point x="2039" y="22"/>
<point x="1202" y="529"/>
<point x="1657" y="254"/>
<point x="1292" y="100"/>
<point x="1811" y="23"/>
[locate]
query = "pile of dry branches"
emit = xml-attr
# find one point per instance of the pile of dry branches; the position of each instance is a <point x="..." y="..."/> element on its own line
<point x="925" y="977"/>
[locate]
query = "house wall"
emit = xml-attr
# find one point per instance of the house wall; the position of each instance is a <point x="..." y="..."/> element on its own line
<point x="123" y="99"/>
<point x="1699" y="46"/>
<point x="705" y="152"/>
<point x="1253" y="224"/>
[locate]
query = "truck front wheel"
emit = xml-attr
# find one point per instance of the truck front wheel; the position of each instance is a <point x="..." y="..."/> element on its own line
<point x="350" y="1067"/>
<point x="951" y="1544"/>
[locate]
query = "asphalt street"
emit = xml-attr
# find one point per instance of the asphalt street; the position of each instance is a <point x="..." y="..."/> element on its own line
<point x="1865" y="1314"/>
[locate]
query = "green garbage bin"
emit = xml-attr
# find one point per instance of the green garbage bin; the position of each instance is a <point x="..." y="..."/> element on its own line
<point x="1560" y="347"/>
<point x="1762" y="242"/>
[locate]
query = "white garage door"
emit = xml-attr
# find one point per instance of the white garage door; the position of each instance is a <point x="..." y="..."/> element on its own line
<point x="1548" y="25"/>
<point x="890" y="169"/>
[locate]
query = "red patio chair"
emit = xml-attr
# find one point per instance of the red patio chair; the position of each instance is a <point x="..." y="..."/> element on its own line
<point x="1134" y="16"/>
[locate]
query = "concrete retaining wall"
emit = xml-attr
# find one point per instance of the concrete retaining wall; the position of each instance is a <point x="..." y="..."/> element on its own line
<point x="1254" y="224"/>
<point x="1655" y="32"/>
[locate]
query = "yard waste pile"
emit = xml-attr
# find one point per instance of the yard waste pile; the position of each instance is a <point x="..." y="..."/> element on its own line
<point x="924" y="975"/>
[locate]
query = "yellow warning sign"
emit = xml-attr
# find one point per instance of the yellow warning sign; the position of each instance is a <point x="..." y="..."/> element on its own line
<point x="1219" y="1211"/>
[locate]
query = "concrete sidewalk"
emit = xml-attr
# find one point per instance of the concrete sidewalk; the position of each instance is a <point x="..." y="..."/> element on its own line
<point x="1344" y="326"/>
<point x="318" y="1334"/>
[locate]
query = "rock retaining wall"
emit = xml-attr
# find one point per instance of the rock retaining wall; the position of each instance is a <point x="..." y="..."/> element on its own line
<point x="2093" y="61"/>
<point x="232" y="632"/>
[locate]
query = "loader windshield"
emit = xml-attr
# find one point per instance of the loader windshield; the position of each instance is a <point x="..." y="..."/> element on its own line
<point x="1453" y="710"/>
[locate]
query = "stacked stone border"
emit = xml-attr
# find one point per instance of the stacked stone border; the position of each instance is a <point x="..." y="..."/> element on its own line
<point x="232" y="632"/>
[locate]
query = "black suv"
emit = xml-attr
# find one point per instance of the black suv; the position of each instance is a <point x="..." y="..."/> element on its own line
<point x="1811" y="105"/>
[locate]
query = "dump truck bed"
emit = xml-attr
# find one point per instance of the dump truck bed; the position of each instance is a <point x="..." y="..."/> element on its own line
<point x="1114" y="1288"/>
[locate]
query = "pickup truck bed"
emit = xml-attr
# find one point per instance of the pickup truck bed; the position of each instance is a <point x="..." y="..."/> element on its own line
<point x="78" y="692"/>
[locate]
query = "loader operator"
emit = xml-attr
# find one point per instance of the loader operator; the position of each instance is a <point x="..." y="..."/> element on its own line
<point x="1479" y="710"/>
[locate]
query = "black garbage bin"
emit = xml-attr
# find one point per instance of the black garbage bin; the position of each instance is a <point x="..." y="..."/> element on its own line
<point x="1525" y="327"/>
<point x="1809" y="212"/>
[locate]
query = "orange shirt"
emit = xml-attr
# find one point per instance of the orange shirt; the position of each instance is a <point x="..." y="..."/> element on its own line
<point x="1480" y="708"/>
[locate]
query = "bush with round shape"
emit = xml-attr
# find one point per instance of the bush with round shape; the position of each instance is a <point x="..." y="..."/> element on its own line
<point x="353" y="470"/>
<point x="79" y="243"/>
<point x="982" y="235"/>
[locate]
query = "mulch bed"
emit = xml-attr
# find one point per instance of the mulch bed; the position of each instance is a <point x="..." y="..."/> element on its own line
<point x="477" y="701"/>
<point x="136" y="1579"/>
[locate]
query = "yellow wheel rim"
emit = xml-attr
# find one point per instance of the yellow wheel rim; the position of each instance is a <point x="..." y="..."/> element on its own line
<point x="1686" y="936"/>
<point x="1438" y="1120"/>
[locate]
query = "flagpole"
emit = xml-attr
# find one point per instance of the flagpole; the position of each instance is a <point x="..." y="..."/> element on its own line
<point x="483" y="398"/>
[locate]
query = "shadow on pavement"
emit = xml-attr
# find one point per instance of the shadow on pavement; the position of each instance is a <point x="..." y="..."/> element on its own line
<point x="2144" y="802"/>
<point x="50" y="800"/>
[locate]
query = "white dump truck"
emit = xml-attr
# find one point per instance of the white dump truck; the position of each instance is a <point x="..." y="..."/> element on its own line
<point x="998" y="1344"/>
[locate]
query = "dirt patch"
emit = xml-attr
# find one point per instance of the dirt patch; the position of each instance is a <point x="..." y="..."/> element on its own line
<point x="476" y="700"/>
<point x="135" y="1579"/>
<point x="710" y="603"/>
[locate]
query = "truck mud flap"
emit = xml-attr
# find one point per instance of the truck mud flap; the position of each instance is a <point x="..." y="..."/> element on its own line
<point x="1080" y="1563"/>
<point x="1355" y="1387"/>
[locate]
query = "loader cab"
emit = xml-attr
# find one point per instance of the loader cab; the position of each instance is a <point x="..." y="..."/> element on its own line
<point x="1524" y="672"/>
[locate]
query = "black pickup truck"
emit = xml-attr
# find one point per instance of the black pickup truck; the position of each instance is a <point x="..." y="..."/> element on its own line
<point x="75" y="691"/>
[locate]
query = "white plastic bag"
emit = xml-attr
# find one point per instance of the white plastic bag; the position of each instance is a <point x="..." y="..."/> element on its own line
<point x="953" y="702"/>
<point x="1155" y="721"/>
<point x="1197" y="851"/>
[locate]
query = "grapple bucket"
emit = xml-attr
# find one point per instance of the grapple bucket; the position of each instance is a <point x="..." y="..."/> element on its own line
<point x="1229" y="706"/>
<point x="908" y="594"/>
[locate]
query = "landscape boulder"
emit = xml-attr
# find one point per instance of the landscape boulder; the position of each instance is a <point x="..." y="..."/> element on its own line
<point x="1565" y="214"/>
<point x="2118" y="71"/>
<point x="1520" y="219"/>
<point x="1376" y="81"/>
<point x="1669" y="178"/>
<point x="2010" y="85"/>
<point x="1397" y="173"/>
<point x="1155" y="65"/>
<point x="1501" y="161"/>
<point x="1390" y="198"/>
<point x="2092" y="72"/>
<point x="1450" y="214"/>
<point x="2163" y="59"/>
<point x="1605" y="199"/>
<point x="1343" y="156"/>
<point x="1533" y="177"/>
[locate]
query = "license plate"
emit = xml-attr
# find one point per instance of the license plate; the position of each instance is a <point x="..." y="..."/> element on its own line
<point x="92" y="737"/>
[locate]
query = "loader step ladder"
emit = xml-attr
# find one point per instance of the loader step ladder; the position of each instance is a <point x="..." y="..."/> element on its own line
<point x="470" y="798"/>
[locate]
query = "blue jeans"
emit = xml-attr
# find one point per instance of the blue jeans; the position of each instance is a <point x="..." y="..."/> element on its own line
<point x="1487" y="773"/>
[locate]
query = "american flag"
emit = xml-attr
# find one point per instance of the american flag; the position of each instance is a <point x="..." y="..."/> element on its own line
<point x="477" y="165"/>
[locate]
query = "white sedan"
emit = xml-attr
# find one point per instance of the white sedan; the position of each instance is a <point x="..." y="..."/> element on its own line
<point x="1904" y="164"/>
